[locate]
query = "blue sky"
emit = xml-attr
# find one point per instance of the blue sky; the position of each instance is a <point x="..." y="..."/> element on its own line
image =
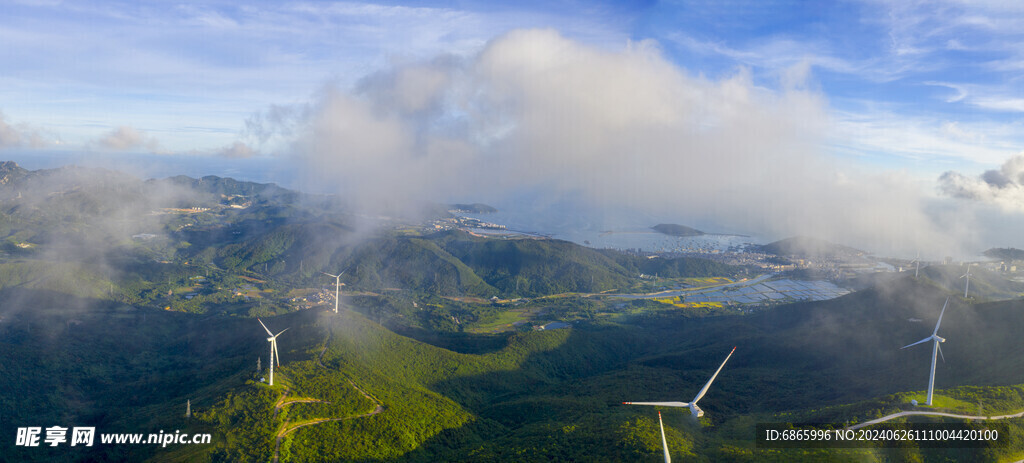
<point x="915" y="89"/>
<point x="946" y="75"/>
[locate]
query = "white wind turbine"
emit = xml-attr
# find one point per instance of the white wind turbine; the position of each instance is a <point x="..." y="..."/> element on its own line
<point x="273" y="349"/>
<point x="967" y="275"/>
<point x="337" y="287"/>
<point x="664" y="443"/>
<point x="917" y="260"/>
<point x="694" y="409"/>
<point x="936" y="350"/>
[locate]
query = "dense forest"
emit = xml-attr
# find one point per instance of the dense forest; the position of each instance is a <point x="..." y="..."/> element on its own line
<point x="120" y="315"/>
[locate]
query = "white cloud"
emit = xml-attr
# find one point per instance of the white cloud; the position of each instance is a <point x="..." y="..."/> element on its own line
<point x="1003" y="187"/>
<point x="19" y="135"/>
<point x="960" y="89"/>
<point x="126" y="138"/>
<point x="609" y="131"/>
<point x="883" y="132"/>
<point x="781" y="55"/>
<point x="1012" y="104"/>
<point x="8" y="135"/>
<point x="220" y="61"/>
<point x="237" y="150"/>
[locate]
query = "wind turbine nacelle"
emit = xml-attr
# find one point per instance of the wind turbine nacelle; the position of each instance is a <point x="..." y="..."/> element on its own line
<point x="696" y="411"/>
<point x="940" y="339"/>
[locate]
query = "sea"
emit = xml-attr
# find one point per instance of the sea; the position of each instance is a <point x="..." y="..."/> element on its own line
<point x="636" y="237"/>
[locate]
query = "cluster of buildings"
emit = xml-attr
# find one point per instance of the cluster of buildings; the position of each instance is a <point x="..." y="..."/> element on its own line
<point x="324" y="296"/>
<point x="451" y="223"/>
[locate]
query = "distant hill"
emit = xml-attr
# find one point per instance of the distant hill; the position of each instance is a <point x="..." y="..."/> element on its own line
<point x="676" y="230"/>
<point x="451" y="263"/>
<point x="1009" y="254"/>
<point x="475" y="208"/>
<point x="69" y="213"/>
<point x="10" y="171"/>
<point x="807" y="247"/>
<point x="985" y="285"/>
<point x="227" y="186"/>
<point x="525" y="267"/>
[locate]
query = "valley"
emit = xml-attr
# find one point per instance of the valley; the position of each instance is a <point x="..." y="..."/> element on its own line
<point x="449" y="346"/>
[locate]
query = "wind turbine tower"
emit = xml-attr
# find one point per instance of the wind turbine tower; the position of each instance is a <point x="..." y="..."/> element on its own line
<point x="936" y="350"/>
<point x="273" y="349"/>
<point x="967" y="275"/>
<point x="694" y="409"/>
<point x="337" y="288"/>
<point x="664" y="443"/>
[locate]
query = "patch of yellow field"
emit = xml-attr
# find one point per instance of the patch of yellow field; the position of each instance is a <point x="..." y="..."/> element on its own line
<point x="678" y="302"/>
<point x="708" y="281"/>
<point x="701" y="305"/>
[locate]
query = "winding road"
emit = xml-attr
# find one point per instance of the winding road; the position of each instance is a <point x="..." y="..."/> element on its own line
<point x="949" y="415"/>
<point x="285" y="429"/>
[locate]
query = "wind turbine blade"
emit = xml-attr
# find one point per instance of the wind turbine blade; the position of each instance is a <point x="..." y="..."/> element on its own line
<point x="265" y="327"/>
<point x="664" y="443"/>
<point x="659" y="404"/>
<point x="706" y="386"/>
<point x="940" y="353"/>
<point x="940" y="317"/>
<point x="282" y="331"/>
<point x="916" y="343"/>
<point x="276" y="354"/>
<point x="328" y="274"/>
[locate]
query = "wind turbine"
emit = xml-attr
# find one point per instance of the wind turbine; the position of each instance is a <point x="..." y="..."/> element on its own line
<point x="273" y="349"/>
<point x="936" y="350"/>
<point x="967" y="275"/>
<point x="917" y="260"/>
<point x="664" y="443"/>
<point x="694" y="409"/>
<point x="337" y="287"/>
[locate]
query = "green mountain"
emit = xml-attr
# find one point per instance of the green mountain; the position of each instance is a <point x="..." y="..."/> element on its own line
<point x="122" y="300"/>
<point x="231" y="187"/>
<point x="1007" y="254"/>
<point x="11" y="172"/>
<point x="448" y="263"/>
<point x="804" y="246"/>
<point x="676" y="230"/>
<point x="538" y="396"/>
<point x="985" y="285"/>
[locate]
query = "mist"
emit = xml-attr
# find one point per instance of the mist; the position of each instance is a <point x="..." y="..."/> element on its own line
<point x="617" y="138"/>
<point x="73" y="230"/>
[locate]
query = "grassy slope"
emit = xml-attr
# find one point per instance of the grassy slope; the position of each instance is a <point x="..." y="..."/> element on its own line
<point x="434" y="395"/>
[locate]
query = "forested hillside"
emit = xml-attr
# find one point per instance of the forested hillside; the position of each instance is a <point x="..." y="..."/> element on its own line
<point x="444" y="347"/>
